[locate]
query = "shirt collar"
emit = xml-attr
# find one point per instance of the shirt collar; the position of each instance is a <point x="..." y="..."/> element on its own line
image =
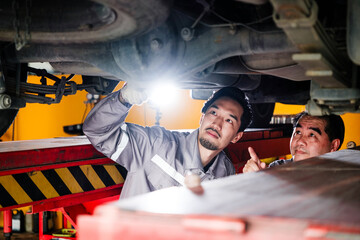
<point x="194" y="164"/>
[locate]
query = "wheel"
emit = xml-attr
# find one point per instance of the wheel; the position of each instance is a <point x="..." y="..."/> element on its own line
<point x="262" y="114"/>
<point x="6" y="119"/>
<point x="83" y="21"/>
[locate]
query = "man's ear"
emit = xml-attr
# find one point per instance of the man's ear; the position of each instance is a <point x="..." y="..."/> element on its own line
<point x="237" y="137"/>
<point x="335" y="145"/>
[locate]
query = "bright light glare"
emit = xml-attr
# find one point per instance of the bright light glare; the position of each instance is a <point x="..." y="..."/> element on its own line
<point x="163" y="94"/>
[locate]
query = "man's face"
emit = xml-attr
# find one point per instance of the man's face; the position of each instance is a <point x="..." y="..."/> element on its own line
<point x="309" y="139"/>
<point x="220" y="124"/>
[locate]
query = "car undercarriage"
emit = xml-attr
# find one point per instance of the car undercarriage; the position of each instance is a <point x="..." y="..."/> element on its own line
<point x="288" y="51"/>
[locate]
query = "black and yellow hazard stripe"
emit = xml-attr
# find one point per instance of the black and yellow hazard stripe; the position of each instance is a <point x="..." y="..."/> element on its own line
<point x="39" y="185"/>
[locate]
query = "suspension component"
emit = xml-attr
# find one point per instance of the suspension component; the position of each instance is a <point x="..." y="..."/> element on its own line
<point x="5" y="101"/>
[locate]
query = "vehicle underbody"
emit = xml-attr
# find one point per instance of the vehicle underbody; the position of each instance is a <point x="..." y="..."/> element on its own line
<point x="288" y="51"/>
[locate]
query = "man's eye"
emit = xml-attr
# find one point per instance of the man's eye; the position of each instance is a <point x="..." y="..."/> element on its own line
<point x="229" y="121"/>
<point x="297" y="133"/>
<point x="213" y="112"/>
<point x="312" y="135"/>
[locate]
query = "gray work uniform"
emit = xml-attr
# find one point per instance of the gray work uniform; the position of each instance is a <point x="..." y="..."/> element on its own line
<point x="154" y="157"/>
<point x="280" y="162"/>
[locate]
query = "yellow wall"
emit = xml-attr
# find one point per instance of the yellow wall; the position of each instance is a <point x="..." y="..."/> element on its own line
<point x="352" y="128"/>
<point x="38" y="121"/>
<point x="284" y="109"/>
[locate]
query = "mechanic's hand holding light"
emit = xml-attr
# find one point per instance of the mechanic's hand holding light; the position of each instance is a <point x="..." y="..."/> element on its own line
<point x="133" y="95"/>
<point x="159" y="94"/>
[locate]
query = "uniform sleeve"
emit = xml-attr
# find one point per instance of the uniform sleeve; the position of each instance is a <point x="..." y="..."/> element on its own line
<point x="104" y="125"/>
<point x="127" y="144"/>
<point x="279" y="162"/>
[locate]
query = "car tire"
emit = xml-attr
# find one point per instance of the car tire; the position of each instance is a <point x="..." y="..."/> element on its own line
<point x="6" y="119"/>
<point x="116" y="19"/>
<point x="262" y="114"/>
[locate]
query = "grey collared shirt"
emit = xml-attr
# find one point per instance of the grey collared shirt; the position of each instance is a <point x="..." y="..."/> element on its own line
<point x="135" y="147"/>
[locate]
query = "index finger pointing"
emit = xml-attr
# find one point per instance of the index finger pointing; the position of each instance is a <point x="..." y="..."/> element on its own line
<point x="253" y="155"/>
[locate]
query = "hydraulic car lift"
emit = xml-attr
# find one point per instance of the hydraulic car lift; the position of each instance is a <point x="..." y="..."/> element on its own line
<point x="316" y="198"/>
<point x="66" y="173"/>
<point x="61" y="173"/>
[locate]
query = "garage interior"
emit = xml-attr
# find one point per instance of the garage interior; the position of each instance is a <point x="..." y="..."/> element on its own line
<point x="71" y="112"/>
<point x="295" y="55"/>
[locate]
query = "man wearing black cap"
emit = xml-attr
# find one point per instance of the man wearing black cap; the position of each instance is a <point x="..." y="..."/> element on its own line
<point x="156" y="158"/>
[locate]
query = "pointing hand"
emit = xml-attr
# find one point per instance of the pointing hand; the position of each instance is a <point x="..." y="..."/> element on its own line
<point x="253" y="164"/>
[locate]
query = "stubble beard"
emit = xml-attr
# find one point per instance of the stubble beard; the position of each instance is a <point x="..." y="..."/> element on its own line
<point x="207" y="144"/>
